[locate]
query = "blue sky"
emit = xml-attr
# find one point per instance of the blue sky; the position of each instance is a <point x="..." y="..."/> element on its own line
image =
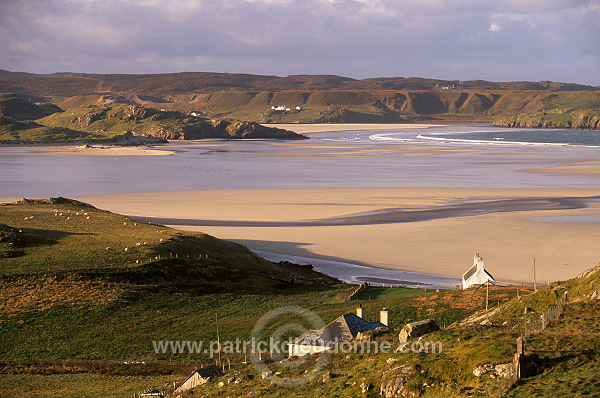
<point x="499" y="40"/>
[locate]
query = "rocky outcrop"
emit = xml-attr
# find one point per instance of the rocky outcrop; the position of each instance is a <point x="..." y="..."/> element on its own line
<point x="586" y="122"/>
<point x="588" y="119"/>
<point x="414" y="330"/>
<point x="503" y="370"/>
<point x="255" y="130"/>
<point x="394" y="382"/>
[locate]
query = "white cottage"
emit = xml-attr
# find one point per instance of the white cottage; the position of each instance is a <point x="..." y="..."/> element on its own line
<point x="476" y="275"/>
<point x="344" y="328"/>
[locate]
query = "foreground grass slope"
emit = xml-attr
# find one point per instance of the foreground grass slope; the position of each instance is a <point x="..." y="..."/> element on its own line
<point x="77" y="310"/>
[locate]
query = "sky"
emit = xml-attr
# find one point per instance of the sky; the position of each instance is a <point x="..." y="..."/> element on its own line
<point x="497" y="40"/>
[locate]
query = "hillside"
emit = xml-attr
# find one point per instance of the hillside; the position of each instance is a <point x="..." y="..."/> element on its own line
<point x="119" y="124"/>
<point x="71" y="84"/>
<point x="80" y="313"/>
<point x="306" y="98"/>
<point x="169" y="125"/>
<point x="348" y="106"/>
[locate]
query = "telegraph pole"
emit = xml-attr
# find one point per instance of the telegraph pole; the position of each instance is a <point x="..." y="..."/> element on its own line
<point x="487" y="293"/>
<point x="534" y="282"/>
<point x="218" y="339"/>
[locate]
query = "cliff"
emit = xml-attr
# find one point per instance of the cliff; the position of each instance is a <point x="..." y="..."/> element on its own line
<point x="587" y="119"/>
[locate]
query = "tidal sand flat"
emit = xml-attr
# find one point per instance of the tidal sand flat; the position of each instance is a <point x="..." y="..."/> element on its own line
<point x="322" y="223"/>
<point x="386" y="197"/>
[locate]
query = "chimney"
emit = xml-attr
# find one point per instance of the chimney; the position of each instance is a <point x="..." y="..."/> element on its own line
<point x="384" y="317"/>
<point x="359" y="311"/>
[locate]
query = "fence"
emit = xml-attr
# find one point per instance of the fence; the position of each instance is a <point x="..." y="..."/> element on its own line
<point x="537" y="323"/>
<point x="356" y="292"/>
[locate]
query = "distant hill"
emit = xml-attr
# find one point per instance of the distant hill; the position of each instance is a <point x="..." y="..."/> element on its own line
<point x="70" y="84"/>
<point x="17" y="108"/>
<point x="307" y="98"/>
<point x="6" y="73"/>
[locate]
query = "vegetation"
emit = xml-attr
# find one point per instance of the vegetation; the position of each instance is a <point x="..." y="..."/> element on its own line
<point x="588" y="119"/>
<point x="76" y="314"/>
<point x="118" y="123"/>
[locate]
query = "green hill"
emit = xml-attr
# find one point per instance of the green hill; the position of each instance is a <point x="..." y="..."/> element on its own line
<point x="129" y="124"/>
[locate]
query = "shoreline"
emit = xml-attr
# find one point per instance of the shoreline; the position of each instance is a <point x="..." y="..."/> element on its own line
<point x="509" y="239"/>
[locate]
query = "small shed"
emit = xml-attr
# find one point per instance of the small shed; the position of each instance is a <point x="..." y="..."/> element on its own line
<point x="477" y="274"/>
<point x="199" y="377"/>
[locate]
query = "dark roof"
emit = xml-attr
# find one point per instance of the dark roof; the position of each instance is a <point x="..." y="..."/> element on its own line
<point x="470" y="272"/>
<point x="209" y="372"/>
<point x="343" y="328"/>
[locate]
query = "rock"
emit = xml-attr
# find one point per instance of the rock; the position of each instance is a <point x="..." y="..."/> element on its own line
<point x="364" y="387"/>
<point x="266" y="374"/>
<point x="394" y="381"/>
<point x="483" y="369"/>
<point x="505" y="370"/>
<point x="417" y="329"/>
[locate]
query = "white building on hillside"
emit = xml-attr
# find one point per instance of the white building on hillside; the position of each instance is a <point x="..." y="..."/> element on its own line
<point x="344" y="328"/>
<point x="476" y="275"/>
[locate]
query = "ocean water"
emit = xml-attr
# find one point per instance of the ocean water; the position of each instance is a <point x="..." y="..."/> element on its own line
<point x="545" y="137"/>
<point x="352" y="159"/>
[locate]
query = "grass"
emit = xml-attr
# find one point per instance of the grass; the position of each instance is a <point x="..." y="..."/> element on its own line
<point x="78" y="385"/>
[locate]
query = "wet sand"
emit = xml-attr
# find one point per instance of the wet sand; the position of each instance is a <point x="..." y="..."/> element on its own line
<point x="444" y="228"/>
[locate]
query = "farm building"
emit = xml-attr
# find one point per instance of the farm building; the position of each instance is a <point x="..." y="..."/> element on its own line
<point x="344" y="328"/>
<point x="199" y="377"/>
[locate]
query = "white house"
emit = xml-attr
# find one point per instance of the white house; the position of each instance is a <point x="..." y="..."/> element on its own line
<point x="344" y="328"/>
<point x="476" y="275"/>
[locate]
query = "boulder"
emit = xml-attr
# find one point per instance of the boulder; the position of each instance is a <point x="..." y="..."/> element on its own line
<point x="505" y="370"/>
<point x="417" y="329"/>
<point x="483" y="369"/>
<point x="394" y="381"/>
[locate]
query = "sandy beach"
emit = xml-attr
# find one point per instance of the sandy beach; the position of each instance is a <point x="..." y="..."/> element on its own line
<point x="508" y="240"/>
<point x="82" y="150"/>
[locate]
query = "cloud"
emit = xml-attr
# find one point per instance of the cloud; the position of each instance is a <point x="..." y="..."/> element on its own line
<point x="494" y="27"/>
<point x="454" y="39"/>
